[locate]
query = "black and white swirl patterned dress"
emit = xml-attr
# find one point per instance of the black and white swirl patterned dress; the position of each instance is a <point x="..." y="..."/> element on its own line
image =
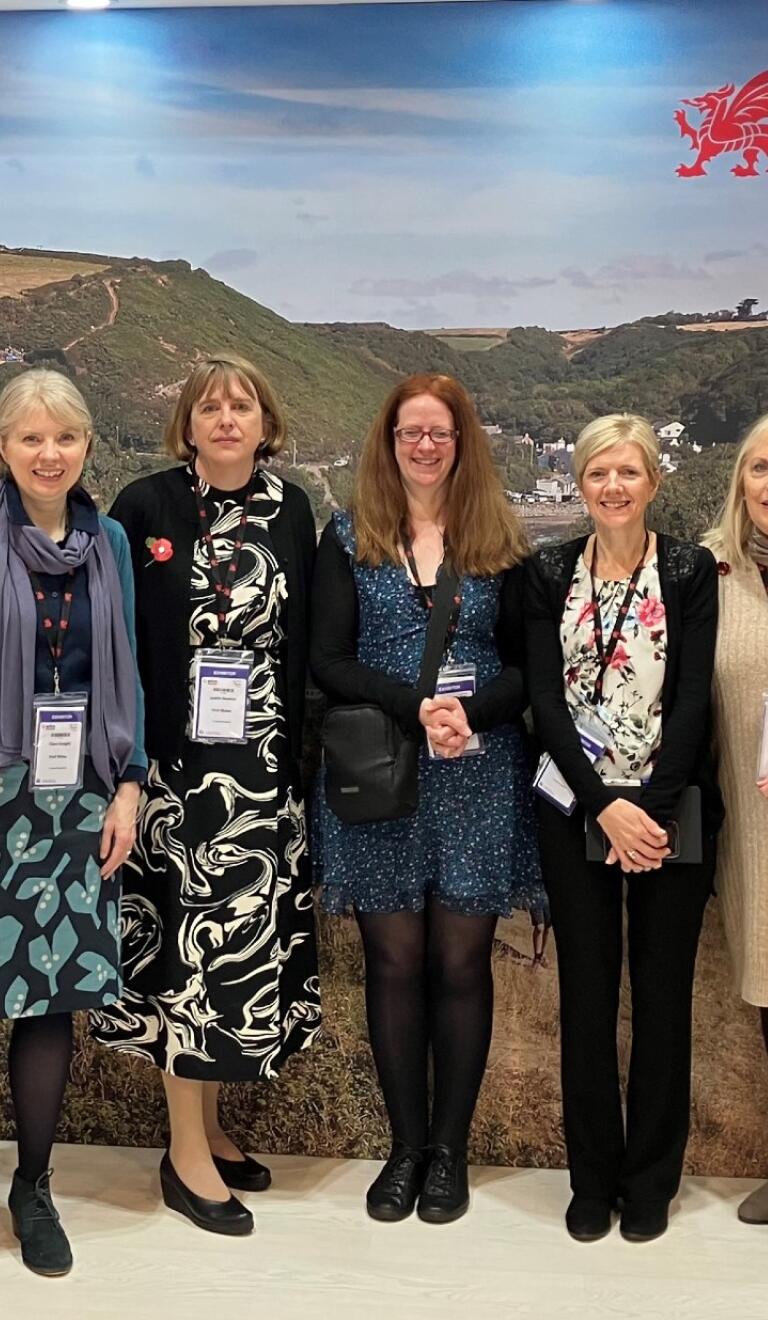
<point x="219" y="960"/>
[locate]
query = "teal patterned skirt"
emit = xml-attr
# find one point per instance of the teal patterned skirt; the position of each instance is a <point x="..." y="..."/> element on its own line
<point x="59" y="927"/>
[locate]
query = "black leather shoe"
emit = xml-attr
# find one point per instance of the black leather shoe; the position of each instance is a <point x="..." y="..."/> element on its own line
<point x="228" y="1217"/>
<point x="246" y="1175"/>
<point x="445" y="1194"/>
<point x="44" y="1245"/>
<point x="588" y="1218"/>
<point x="642" y="1221"/>
<point x="392" y="1195"/>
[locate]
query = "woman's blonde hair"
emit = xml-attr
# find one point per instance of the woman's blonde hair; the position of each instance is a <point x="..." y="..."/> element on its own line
<point x="51" y="390"/>
<point x="616" y="429"/>
<point x="210" y="374"/>
<point x="483" y="533"/>
<point x="730" y="534"/>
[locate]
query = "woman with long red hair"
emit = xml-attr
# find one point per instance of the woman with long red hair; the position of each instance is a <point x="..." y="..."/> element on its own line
<point x="427" y="888"/>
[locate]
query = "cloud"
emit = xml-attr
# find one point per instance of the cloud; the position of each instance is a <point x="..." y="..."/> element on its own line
<point x="725" y="254"/>
<point x="310" y="217"/>
<point x="145" y="167"/>
<point x="458" y="283"/>
<point x="637" y="268"/>
<point x="13" y="163"/>
<point x="231" y="259"/>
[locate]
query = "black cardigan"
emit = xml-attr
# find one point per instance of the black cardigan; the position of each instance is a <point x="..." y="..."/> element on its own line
<point x="163" y="505"/>
<point x="688" y="579"/>
<point x="339" y="673"/>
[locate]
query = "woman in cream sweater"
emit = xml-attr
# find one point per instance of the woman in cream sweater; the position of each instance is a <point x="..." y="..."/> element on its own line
<point x="740" y="544"/>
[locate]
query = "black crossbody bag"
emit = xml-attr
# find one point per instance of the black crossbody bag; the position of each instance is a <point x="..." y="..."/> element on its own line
<point x="371" y="765"/>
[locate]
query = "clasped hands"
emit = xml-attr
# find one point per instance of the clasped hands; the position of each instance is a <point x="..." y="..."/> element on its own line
<point x="446" y="725"/>
<point x="637" y="842"/>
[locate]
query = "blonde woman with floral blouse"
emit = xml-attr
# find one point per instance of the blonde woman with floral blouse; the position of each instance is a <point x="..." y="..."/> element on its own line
<point x="621" y="636"/>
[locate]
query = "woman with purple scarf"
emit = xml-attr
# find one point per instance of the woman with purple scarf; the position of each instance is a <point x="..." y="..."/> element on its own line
<point x="71" y="765"/>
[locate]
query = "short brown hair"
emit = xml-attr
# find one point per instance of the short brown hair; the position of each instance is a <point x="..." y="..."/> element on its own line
<point x="220" y="370"/>
<point x="483" y="533"/>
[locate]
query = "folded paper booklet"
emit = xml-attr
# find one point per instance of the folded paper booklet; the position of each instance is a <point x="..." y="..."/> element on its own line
<point x="762" y="760"/>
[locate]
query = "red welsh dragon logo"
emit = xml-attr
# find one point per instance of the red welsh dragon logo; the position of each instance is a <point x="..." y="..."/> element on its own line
<point x="730" y="123"/>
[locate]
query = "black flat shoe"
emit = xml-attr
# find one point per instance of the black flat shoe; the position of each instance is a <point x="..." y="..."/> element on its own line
<point x="392" y="1195"/>
<point x="44" y="1246"/>
<point x="588" y="1218"/>
<point x="642" y="1221"/>
<point x="228" y="1217"/>
<point x="245" y="1175"/>
<point x="445" y="1194"/>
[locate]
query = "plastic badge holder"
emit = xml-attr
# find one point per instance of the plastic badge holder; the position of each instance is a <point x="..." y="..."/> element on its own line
<point x="220" y="683"/>
<point x="455" y="680"/>
<point x="762" y="760"/>
<point x="58" y="753"/>
<point x="548" y="781"/>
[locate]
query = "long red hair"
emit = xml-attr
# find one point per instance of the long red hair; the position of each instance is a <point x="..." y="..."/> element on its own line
<point x="483" y="533"/>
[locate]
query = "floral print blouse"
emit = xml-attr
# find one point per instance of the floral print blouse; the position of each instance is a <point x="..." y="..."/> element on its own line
<point x="630" y="710"/>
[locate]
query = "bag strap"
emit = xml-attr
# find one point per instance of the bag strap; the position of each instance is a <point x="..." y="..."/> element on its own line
<point x="443" y="603"/>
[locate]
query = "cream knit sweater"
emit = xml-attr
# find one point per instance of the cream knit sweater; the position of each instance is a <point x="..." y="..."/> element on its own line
<point x="741" y="677"/>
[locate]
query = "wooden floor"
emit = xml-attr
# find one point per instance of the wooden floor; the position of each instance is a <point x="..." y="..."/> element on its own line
<point x="316" y="1256"/>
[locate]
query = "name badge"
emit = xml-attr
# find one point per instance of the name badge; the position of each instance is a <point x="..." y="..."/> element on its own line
<point x="548" y="781"/>
<point x="220" y="683"/>
<point x="58" y="751"/>
<point x="458" y="681"/>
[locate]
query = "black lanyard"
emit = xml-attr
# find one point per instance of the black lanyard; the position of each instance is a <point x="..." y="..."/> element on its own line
<point x="426" y="598"/>
<point x="224" y="578"/>
<point x="605" y="653"/>
<point x="54" y="631"/>
<point x="763" y="571"/>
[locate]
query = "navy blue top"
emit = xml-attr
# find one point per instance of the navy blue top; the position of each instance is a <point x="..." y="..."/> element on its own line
<point x="75" y="663"/>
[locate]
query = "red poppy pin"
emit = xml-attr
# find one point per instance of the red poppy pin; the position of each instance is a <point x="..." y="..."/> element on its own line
<point x="723" y="568"/>
<point x="160" y="548"/>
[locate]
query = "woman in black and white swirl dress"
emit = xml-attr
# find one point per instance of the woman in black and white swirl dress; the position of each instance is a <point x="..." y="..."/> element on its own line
<point x="218" y="943"/>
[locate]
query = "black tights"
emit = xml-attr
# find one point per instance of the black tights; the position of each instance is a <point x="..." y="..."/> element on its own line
<point x="429" y="982"/>
<point x="38" y="1066"/>
<point x="764" y="1025"/>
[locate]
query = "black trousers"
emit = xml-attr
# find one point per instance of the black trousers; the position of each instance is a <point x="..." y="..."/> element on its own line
<point x="664" y="911"/>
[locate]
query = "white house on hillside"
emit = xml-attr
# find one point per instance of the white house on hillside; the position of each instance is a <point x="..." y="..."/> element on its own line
<point x="671" y="432"/>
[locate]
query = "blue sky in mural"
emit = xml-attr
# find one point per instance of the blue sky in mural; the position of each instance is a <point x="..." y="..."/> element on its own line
<point x="490" y="164"/>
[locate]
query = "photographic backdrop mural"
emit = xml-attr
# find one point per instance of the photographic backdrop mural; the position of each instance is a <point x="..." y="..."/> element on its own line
<point x="563" y="204"/>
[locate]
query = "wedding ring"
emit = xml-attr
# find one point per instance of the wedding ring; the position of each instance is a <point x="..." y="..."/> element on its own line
<point x="631" y="854"/>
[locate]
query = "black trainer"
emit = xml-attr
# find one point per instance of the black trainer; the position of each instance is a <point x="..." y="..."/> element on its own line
<point x="445" y="1194"/>
<point x="392" y="1195"/>
<point x="589" y="1218"/>
<point x="36" y="1223"/>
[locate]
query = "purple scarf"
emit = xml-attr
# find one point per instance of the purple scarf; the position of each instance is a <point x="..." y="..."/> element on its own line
<point x="112" y="707"/>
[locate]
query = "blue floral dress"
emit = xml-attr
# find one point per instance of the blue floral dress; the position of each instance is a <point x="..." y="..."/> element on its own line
<point x="472" y="842"/>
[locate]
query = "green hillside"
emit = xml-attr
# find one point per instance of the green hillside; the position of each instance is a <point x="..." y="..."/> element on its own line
<point x="129" y="330"/>
<point x="166" y="316"/>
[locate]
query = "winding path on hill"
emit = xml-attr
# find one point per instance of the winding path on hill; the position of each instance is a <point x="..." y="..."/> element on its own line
<point x="114" y="308"/>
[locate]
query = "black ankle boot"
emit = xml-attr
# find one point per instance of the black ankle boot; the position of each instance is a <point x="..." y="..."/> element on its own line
<point x="393" y="1194"/>
<point x="445" y="1194"/>
<point x="642" y="1221"/>
<point x="588" y="1218"/>
<point x="44" y="1245"/>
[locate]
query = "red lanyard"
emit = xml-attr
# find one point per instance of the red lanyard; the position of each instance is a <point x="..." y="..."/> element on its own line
<point x="54" y="632"/>
<point x="605" y="653"/>
<point x="224" y="578"/>
<point x="426" y="598"/>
